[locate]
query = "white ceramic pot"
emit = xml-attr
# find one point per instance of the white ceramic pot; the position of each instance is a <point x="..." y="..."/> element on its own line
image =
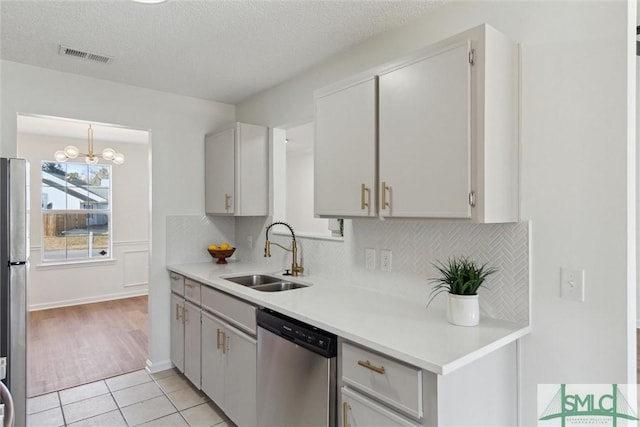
<point x="463" y="310"/>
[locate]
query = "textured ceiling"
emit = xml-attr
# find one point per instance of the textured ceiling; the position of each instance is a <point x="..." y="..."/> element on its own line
<point x="219" y="50"/>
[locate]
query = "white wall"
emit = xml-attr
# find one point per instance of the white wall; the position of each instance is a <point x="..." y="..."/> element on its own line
<point x="299" y="190"/>
<point x="575" y="148"/>
<point x="56" y="286"/>
<point x="177" y="124"/>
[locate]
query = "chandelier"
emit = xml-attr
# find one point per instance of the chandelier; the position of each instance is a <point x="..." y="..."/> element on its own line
<point x="71" y="152"/>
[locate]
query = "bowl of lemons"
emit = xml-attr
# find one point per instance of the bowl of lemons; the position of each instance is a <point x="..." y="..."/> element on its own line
<point x="221" y="252"/>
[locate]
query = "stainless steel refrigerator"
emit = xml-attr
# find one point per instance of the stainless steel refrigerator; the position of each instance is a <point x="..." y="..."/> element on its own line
<point x="13" y="280"/>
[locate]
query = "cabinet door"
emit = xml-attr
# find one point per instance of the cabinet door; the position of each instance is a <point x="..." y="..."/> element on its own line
<point x="213" y="359"/>
<point x="345" y="151"/>
<point x="240" y="379"/>
<point x="177" y="332"/>
<point x="424" y="131"/>
<point x="219" y="171"/>
<point x="192" y="338"/>
<point x="252" y="181"/>
<point x="358" y="411"/>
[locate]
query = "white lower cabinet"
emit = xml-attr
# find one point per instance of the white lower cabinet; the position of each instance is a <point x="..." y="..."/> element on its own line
<point x="192" y="335"/>
<point x="185" y="327"/>
<point x="378" y="390"/>
<point x="229" y="369"/>
<point x="177" y="331"/>
<point x="358" y="411"/>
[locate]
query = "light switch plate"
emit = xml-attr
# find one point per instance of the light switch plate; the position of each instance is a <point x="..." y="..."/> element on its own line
<point x="385" y="260"/>
<point x="572" y="284"/>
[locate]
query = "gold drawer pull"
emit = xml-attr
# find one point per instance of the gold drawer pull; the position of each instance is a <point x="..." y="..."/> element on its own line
<point x="345" y="414"/>
<point x="177" y="311"/>
<point x="188" y="284"/>
<point x="368" y="365"/>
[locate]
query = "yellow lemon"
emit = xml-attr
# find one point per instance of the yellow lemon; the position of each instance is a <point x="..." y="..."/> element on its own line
<point x="213" y="247"/>
<point x="225" y="246"/>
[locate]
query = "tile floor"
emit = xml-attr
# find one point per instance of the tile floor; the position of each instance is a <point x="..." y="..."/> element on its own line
<point x="135" y="399"/>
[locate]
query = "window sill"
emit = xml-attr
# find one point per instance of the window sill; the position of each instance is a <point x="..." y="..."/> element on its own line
<point x="75" y="264"/>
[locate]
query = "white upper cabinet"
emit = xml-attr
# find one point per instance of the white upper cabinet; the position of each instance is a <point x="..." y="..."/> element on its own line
<point x="443" y="124"/>
<point x="345" y="153"/>
<point x="237" y="171"/>
<point x="424" y="138"/>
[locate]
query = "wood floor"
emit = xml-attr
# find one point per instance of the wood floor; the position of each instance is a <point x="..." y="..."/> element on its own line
<point x="75" y="345"/>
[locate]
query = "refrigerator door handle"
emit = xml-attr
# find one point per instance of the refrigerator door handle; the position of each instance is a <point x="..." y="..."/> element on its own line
<point x="7" y="400"/>
<point x="18" y="210"/>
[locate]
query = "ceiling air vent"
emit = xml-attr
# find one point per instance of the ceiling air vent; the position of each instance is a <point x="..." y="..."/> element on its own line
<point x="81" y="54"/>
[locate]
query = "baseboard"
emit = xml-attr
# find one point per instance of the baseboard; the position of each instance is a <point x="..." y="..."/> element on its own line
<point x="88" y="300"/>
<point x="152" y="368"/>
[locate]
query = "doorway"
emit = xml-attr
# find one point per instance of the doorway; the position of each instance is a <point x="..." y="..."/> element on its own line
<point x="89" y="251"/>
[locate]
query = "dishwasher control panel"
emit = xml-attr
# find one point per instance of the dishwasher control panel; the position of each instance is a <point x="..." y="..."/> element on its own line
<point x="303" y="334"/>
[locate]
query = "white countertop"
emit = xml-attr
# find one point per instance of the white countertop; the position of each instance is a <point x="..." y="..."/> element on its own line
<point x="397" y="327"/>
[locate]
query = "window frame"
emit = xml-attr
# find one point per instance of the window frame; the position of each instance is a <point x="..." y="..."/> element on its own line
<point x="89" y="257"/>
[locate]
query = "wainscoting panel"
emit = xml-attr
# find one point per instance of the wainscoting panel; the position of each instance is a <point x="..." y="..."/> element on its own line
<point x="136" y="268"/>
<point x="60" y="285"/>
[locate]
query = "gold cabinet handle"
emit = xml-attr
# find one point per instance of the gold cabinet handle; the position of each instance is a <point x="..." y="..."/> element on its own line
<point x="188" y="284"/>
<point x="345" y="414"/>
<point x="383" y="200"/>
<point x="368" y="365"/>
<point x="227" y="201"/>
<point x="364" y="191"/>
<point x="225" y="343"/>
<point x="185" y="312"/>
<point x="472" y="199"/>
<point x="177" y="311"/>
<point x="218" y="339"/>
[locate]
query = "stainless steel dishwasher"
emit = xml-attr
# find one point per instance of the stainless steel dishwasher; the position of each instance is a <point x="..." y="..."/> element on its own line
<point x="296" y="373"/>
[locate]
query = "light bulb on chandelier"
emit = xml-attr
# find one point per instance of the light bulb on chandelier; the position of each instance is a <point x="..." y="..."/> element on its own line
<point x="72" y="152"/>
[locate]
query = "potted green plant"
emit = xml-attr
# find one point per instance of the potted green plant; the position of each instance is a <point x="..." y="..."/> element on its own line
<point x="460" y="277"/>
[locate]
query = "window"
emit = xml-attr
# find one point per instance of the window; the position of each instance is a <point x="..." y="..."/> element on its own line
<point x="76" y="211"/>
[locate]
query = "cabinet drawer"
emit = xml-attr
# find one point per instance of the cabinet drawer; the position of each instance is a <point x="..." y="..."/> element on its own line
<point x="177" y="283"/>
<point x="357" y="410"/>
<point x="192" y="291"/>
<point x="392" y="382"/>
<point x="235" y="311"/>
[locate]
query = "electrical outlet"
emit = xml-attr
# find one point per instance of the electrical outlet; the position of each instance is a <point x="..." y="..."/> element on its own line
<point x="385" y="260"/>
<point x="370" y="259"/>
<point x="572" y="284"/>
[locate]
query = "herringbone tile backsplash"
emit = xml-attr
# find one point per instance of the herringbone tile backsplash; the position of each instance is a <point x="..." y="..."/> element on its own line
<point x="189" y="235"/>
<point x="415" y="245"/>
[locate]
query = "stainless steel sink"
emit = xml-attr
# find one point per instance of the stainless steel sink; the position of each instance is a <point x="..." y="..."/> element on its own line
<point x="253" y="280"/>
<point x="280" y="286"/>
<point x="265" y="283"/>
